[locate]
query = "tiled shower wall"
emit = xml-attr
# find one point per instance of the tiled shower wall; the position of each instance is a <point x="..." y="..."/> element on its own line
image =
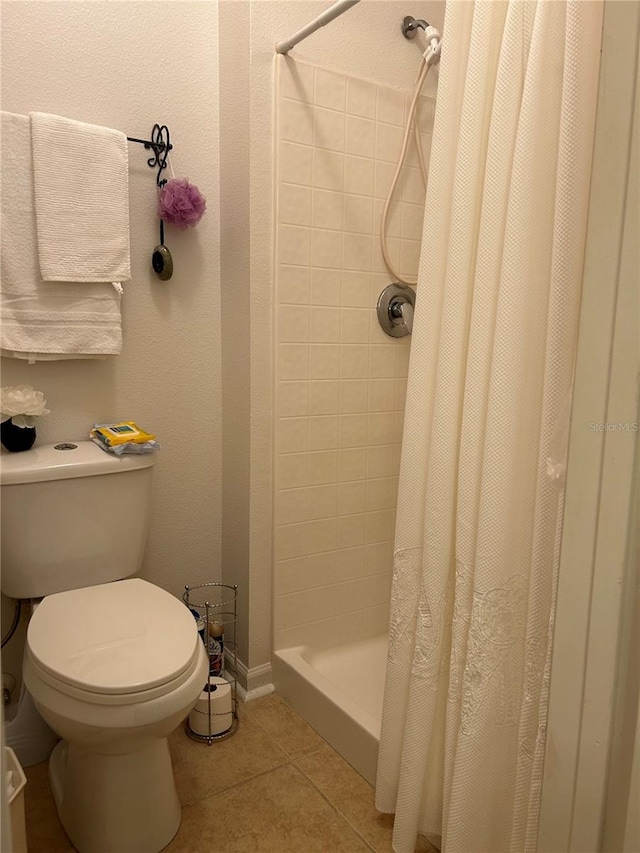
<point x="340" y="381"/>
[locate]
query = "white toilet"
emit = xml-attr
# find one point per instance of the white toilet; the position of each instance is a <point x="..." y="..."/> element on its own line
<point x="113" y="665"/>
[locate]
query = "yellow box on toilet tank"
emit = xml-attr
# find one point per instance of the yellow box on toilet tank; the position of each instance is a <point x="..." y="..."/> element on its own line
<point x="122" y="433"/>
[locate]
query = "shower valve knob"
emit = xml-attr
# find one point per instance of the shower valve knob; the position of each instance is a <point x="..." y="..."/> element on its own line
<point x="395" y="310"/>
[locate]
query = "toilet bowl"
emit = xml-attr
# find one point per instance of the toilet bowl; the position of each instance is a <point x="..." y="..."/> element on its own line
<point x="113" y="669"/>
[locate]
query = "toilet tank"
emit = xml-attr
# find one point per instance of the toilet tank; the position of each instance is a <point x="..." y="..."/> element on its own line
<point x="72" y="515"/>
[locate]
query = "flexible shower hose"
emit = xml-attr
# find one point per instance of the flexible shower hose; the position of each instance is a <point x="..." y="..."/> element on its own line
<point x="430" y="57"/>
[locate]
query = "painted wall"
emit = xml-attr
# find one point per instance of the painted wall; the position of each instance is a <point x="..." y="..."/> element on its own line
<point x="364" y="42"/>
<point x="235" y="306"/>
<point x="124" y="65"/>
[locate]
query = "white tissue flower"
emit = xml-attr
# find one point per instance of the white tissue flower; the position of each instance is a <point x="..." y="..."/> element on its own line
<point x="22" y="404"/>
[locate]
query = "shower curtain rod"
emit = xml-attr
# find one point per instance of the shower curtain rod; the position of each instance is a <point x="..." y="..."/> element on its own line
<point x="322" y="20"/>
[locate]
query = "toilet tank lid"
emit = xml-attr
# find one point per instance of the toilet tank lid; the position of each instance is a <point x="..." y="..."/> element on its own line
<point x="65" y="461"/>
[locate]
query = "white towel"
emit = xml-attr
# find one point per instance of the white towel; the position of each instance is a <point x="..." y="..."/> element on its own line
<point x="40" y="319"/>
<point x="81" y="179"/>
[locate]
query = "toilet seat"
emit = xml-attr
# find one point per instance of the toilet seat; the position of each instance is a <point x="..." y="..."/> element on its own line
<point x="113" y="644"/>
<point x="113" y="699"/>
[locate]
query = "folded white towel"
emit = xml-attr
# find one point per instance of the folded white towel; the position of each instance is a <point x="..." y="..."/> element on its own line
<point x="43" y="319"/>
<point x="81" y="179"/>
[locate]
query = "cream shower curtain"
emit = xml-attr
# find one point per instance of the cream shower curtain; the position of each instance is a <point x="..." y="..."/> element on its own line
<point x="480" y="506"/>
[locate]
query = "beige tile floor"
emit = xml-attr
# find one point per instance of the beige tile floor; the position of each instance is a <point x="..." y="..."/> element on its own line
<point x="274" y="787"/>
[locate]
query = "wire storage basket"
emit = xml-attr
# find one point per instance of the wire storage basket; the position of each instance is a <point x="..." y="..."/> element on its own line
<point x="214" y="607"/>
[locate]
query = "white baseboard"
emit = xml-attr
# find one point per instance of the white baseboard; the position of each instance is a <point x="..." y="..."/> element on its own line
<point x="245" y="696"/>
<point x="253" y="682"/>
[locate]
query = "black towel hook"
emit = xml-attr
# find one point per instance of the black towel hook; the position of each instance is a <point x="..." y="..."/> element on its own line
<point x="160" y="144"/>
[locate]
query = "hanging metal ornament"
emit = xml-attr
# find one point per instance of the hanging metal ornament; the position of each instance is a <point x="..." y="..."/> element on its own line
<point x="181" y="203"/>
<point x="160" y="144"/>
<point x="161" y="259"/>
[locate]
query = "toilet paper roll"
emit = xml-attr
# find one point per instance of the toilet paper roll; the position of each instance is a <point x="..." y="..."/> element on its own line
<point x="214" y="703"/>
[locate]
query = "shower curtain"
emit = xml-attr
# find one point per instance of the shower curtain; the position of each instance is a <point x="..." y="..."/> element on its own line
<point x="480" y="500"/>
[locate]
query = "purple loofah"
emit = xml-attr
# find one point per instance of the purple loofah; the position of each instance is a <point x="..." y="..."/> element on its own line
<point x="181" y="203"/>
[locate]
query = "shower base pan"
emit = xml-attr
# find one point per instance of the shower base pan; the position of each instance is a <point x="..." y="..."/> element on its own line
<point x="339" y="692"/>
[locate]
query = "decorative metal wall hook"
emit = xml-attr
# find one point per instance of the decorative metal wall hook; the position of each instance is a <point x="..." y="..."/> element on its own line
<point x="160" y="144"/>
